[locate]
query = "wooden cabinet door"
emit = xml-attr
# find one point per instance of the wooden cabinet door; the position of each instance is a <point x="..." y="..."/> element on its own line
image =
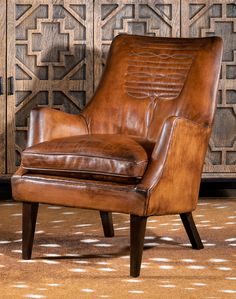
<point x="2" y="85"/>
<point x="56" y="51"/>
<point x="50" y="62"/>
<point x="214" y="17"/>
<point x="113" y="17"/>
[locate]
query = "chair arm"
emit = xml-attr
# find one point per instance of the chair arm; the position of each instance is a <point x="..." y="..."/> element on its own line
<point x="176" y="163"/>
<point x="47" y="124"/>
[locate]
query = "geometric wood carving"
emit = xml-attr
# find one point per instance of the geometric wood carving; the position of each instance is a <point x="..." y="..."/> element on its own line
<point x="208" y="18"/>
<point x="57" y="51"/>
<point x="53" y="60"/>
<point x="3" y="86"/>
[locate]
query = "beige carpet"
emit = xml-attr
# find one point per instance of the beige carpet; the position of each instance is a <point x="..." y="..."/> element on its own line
<point x="72" y="259"/>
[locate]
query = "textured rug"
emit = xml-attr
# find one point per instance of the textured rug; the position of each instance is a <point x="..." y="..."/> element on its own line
<point x="72" y="259"/>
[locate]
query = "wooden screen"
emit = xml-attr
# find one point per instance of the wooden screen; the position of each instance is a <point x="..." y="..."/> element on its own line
<point x="50" y="45"/>
<point x="207" y="18"/>
<point x="56" y="51"/>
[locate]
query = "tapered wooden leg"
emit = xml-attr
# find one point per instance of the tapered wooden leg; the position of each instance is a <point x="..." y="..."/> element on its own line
<point x="30" y="211"/>
<point x="191" y="230"/>
<point x="107" y="224"/>
<point x="137" y="233"/>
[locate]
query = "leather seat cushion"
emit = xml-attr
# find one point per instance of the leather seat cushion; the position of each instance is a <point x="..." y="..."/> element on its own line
<point x="87" y="156"/>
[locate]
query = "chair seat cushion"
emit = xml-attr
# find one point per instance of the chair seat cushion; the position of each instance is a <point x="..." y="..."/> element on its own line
<point x="88" y="155"/>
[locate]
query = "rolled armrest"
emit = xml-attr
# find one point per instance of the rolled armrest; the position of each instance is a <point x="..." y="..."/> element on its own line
<point x="174" y="172"/>
<point x="47" y="124"/>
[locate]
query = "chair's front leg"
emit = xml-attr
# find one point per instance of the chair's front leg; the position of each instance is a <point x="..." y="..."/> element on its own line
<point x="137" y="233"/>
<point x="191" y="230"/>
<point x="30" y="211"/>
<point x="107" y="224"/>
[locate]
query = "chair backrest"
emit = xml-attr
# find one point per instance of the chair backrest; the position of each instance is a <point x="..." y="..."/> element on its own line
<point x="148" y="79"/>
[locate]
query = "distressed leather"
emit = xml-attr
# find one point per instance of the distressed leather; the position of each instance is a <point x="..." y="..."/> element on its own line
<point x="159" y="92"/>
<point x="73" y="192"/>
<point x="94" y="154"/>
<point x="47" y="124"/>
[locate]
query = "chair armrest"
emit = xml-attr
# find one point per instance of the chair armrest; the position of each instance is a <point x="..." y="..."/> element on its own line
<point x="176" y="163"/>
<point x="47" y="124"/>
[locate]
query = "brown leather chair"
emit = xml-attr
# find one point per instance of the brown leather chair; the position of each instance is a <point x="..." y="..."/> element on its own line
<point x="139" y="145"/>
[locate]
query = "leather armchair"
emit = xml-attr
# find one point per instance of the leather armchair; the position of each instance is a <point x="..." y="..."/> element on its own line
<point x="138" y="147"/>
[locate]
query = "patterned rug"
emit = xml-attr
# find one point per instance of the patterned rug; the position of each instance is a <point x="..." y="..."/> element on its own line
<point x="72" y="259"/>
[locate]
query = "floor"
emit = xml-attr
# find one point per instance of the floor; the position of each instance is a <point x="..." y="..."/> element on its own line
<point x="72" y="259"/>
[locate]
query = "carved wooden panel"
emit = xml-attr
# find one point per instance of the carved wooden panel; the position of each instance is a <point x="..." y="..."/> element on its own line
<point x="154" y="18"/>
<point x="57" y="49"/>
<point x="207" y="18"/>
<point x="50" y="45"/>
<point x="2" y="84"/>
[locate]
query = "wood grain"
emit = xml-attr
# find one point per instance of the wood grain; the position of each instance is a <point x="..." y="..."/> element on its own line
<point x="207" y="18"/>
<point x="10" y="117"/>
<point x="57" y="51"/>
<point x="51" y="48"/>
<point x="3" y="75"/>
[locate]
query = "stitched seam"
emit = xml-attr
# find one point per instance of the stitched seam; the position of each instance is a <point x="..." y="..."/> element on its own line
<point x="85" y="120"/>
<point x="169" y="145"/>
<point x="93" y="183"/>
<point x="171" y="141"/>
<point x="200" y="125"/>
<point x="145" y="208"/>
<point x="87" y="156"/>
<point x="82" y="171"/>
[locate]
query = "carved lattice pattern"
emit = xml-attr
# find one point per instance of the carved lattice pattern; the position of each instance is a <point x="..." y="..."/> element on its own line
<point x="207" y="18"/>
<point x="60" y="49"/>
<point x="53" y="59"/>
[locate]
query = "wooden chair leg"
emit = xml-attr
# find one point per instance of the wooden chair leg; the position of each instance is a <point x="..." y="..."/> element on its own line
<point x="30" y="211"/>
<point x="191" y="230"/>
<point x="107" y="224"/>
<point x="137" y="233"/>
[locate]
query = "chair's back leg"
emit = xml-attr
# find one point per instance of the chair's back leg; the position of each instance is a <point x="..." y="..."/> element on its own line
<point x="107" y="224"/>
<point x="191" y="230"/>
<point x="30" y="211"/>
<point x="137" y="233"/>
